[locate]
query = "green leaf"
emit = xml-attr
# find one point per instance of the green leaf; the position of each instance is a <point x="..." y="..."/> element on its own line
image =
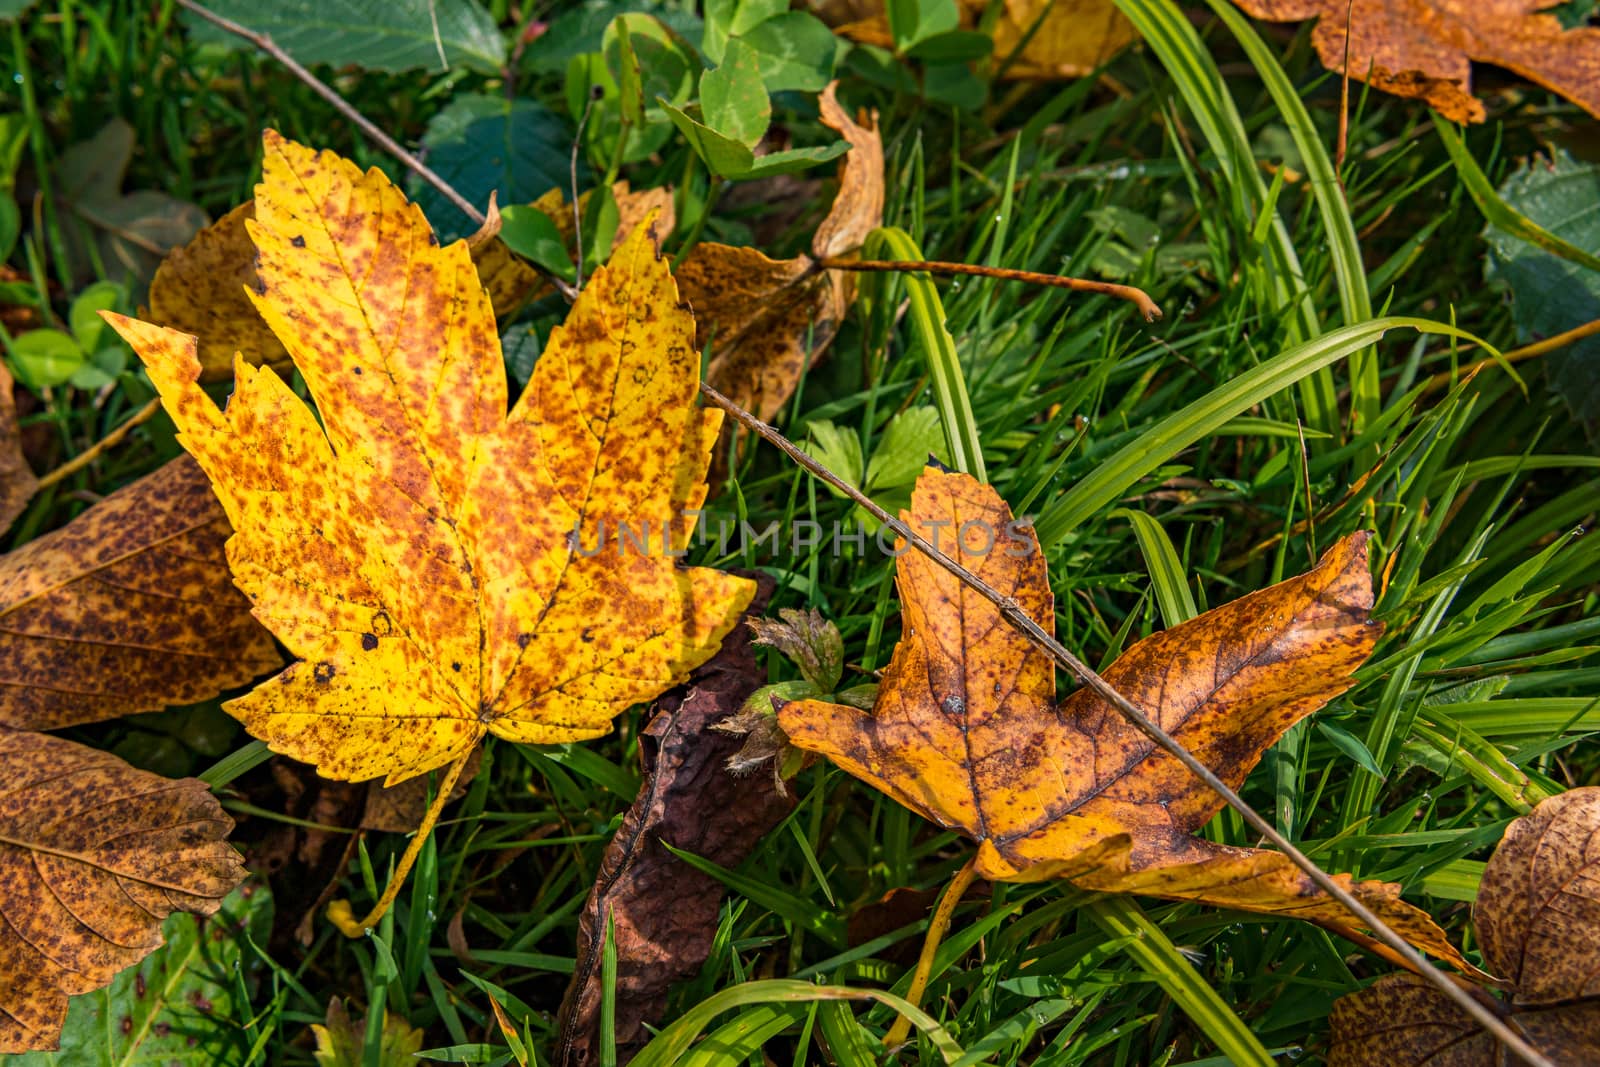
<point x="181" y="1005"/>
<point x="912" y="436"/>
<point x="724" y="156"/>
<point x="734" y="18"/>
<point x="482" y="144"/>
<point x="1551" y="293"/>
<point x="797" y="52"/>
<point x="387" y="35"/>
<point x="533" y="235"/>
<point x="911" y="21"/>
<point x="733" y="98"/>
<point x="10" y="9"/>
<point x="43" y="358"/>
<point x="838" y="449"/>
<point x="1350" y="745"/>
<point x="956" y="46"/>
<point x="580" y="29"/>
<point x="794" y="160"/>
<point x="84" y="315"/>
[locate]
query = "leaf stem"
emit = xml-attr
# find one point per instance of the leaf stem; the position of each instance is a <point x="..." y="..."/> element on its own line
<point x="937" y="928"/>
<point x="1147" y="307"/>
<point x="339" y="911"/>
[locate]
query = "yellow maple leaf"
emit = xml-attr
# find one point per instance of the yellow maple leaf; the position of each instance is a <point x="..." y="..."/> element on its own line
<point x="415" y="549"/>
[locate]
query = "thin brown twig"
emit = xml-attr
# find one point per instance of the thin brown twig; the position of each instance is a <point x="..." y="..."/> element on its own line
<point x="102" y="446"/>
<point x="362" y="123"/>
<point x="1012" y="613"/>
<point x="1444" y="379"/>
<point x="1147" y="307"/>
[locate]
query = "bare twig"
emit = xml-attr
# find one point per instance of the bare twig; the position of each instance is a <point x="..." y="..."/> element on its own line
<point x="1147" y="307"/>
<point x="362" y="123"/>
<point x="102" y="446"/>
<point x="1444" y="379"/>
<point x="1012" y="613"/>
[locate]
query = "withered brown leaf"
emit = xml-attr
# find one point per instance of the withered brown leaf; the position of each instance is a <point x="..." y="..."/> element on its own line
<point x="129" y="607"/>
<point x="93" y="855"/>
<point x="767" y="320"/>
<point x="1426" y="48"/>
<point x="1538" y="920"/>
<point x="966" y="729"/>
<point x="201" y="289"/>
<point x="17" y="482"/>
<point x="664" y="911"/>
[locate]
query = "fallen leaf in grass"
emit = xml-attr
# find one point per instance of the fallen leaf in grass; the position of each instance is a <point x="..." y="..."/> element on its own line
<point x="397" y="809"/>
<point x="664" y="911"/>
<point x="17" y="482"/>
<point x="1058" y="38"/>
<point x="966" y="729"/>
<point x="342" y="1041"/>
<point x="201" y="289"/>
<point x="93" y="855"/>
<point x="511" y="282"/>
<point x="416" y="548"/>
<point x="1538" y="920"/>
<point x="1425" y="48"/>
<point x="129" y="607"/>
<point x="182" y="1003"/>
<point x="131" y="232"/>
<point x="767" y="320"/>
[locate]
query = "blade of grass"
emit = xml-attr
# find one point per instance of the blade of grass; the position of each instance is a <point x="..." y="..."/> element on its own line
<point x="1111" y="479"/>
<point x="939" y="348"/>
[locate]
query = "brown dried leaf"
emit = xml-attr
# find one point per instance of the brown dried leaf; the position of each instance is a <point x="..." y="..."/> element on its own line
<point x="511" y="282"/>
<point x="1073" y="38"/>
<point x="93" y="856"/>
<point x="398" y="809"/>
<point x="1538" y="910"/>
<point x="1425" y="48"/>
<point x="664" y="911"/>
<point x="200" y="289"/>
<point x="966" y="730"/>
<point x="129" y="607"/>
<point x="767" y="320"/>
<point x="1538" y="919"/>
<point x="17" y="482"/>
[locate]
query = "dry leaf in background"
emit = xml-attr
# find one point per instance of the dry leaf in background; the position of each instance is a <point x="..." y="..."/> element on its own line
<point x="416" y="548"/>
<point x="397" y="809"/>
<point x="93" y="855"/>
<point x="1072" y="37"/>
<point x="1426" y="48"/>
<point x="512" y="282"/>
<point x="1538" y="921"/>
<point x="129" y="607"/>
<point x="967" y="731"/>
<point x="200" y="289"/>
<point x="767" y="320"/>
<point x="664" y="911"/>
<point x="17" y="482"/>
<point x="342" y="1041"/>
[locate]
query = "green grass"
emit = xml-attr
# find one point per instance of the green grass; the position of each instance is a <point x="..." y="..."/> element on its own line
<point x="1164" y="465"/>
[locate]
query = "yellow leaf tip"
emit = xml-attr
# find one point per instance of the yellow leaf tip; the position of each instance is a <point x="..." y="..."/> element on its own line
<point x="343" y="916"/>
